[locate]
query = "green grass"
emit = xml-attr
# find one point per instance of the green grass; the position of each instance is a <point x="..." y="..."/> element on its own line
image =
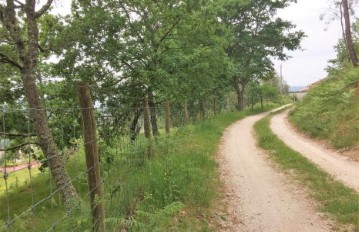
<point x="338" y="201"/>
<point x="331" y="110"/>
<point x="172" y="191"/>
<point x="183" y="170"/>
<point x="17" y="179"/>
<point x="41" y="186"/>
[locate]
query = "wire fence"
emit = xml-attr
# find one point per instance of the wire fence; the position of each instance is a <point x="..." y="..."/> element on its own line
<point x="30" y="198"/>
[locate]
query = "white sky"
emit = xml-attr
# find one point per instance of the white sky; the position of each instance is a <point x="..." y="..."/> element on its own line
<point x="308" y="66"/>
<point x="305" y="66"/>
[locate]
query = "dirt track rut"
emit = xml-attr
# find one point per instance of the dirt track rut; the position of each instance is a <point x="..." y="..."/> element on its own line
<point x="262" y="198"/>
<point x="343" y="169"/>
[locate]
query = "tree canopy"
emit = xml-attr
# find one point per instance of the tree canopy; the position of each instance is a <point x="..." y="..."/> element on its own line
<point x="178" y="51"/>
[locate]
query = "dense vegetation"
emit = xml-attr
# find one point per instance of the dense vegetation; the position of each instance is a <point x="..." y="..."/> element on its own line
<point x="331" y="110"/>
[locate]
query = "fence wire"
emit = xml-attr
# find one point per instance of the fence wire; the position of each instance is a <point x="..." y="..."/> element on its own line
<point x="120" y="138"/>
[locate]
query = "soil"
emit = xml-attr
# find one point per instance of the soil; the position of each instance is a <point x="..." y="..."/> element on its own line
<point x="341" y="167"/>
<point x="259" y="197"/>
<point x="15" y="168"/>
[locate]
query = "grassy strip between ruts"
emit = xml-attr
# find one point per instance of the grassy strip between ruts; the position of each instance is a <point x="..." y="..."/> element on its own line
<point x="338" y="201"/>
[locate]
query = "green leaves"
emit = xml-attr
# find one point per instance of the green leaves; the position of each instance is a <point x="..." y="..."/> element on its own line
<point x="258" y="34"/>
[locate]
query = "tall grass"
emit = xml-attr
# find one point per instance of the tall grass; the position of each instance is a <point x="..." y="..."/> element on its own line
<point x="17" y="179"/>
<point x="173" y="191"/>
<point x="331" y="110"/>
<point x="335" y="199"/>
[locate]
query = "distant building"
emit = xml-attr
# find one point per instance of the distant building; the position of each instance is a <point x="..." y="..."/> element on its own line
<point x="299" y="95"/>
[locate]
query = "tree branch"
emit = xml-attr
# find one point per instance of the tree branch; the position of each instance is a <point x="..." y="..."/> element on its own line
<point x="6" y="59"/>
<point x="127" y="64"/>
<point x="170" y="29"/>
<point x="19" y="146"/>
<point x="130" y="22"/>
<point x="16" y="134"/>
<point x="21" y="5"/>
<point x="43" y="9"/>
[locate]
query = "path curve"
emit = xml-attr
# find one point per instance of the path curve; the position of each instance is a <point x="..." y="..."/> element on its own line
<point x="343" y="169"/>
<point x="262" y="198"/>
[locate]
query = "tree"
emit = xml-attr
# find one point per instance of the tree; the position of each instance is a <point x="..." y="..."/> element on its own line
<point x="257" y="35"/>
<point x="20" y="48"/>
<point x="348" y="34"/>
<point x="161" y="50"/>
<point x="261" y="90"/>
<point x="341" y="10"/>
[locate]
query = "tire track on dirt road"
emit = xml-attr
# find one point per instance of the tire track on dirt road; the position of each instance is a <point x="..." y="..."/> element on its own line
<point x="262" y="198"/>
<point x="343" y="169"/>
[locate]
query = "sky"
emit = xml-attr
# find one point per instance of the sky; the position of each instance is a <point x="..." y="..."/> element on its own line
<point x="308" y="65"/>
<point x="305" y="66"/>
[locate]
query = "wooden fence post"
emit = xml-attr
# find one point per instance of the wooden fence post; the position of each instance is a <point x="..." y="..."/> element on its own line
<point x="214" y="106"/>
<point x="92" y="157"/>
<point x="146" y="119"/>
<point x="147" y="126"/>
<point x="168" y="112"/>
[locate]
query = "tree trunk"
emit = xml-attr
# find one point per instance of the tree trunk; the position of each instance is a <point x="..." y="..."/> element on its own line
<point x="348" y="34"/>
<point x="46" y="140"/>
<point x="27" y="59"/>
<point x="152" y="106"/>
<point x="239" y="88"/>
<point x="147" y="126"/>
<point x="261" y="102"/>
<point x="214" y="106"/>
<point x="146" y="119"/>
<point x="134" y="124"/>
<point x="168" y="112"/>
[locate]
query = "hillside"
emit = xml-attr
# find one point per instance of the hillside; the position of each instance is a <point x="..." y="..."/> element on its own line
<point x="330" y="111"/>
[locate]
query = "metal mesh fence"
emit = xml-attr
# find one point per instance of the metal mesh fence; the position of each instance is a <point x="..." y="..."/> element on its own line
<point x="29" y="197"/>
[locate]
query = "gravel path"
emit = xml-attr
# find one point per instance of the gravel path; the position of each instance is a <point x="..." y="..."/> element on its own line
<point x="343" y="169"/>
<point x="261" y="198"/>
<point x="19" y="167"/>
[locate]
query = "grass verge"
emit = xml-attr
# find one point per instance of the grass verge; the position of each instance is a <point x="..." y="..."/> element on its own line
<point x="17" y="179"/>
<point x="333" y="109"/>
<point x="173" y="191"/>
<point x="338" y="201"/>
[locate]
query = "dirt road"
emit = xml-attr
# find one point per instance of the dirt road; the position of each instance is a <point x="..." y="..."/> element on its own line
<point x="10" y="169"/>
<point x="329" y="160"/>
<point x="262" y="198"/>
